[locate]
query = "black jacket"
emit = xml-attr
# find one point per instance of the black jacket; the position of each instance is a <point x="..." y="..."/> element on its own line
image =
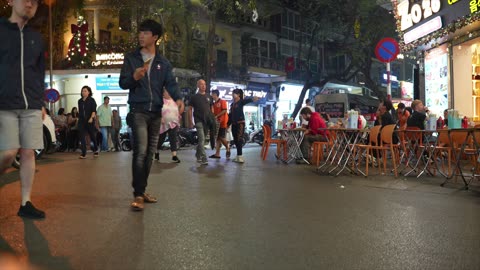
<point x="12" y="94"/>
<point x="85" y="109"/>
<point x="146" y="94"/>
<point x="236" y="114"/>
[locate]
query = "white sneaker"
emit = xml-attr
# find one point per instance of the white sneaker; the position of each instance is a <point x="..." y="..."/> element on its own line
<point x="238" y="159"/>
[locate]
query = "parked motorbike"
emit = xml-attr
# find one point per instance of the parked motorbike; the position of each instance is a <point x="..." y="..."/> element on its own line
<point x="256" y="136"/>
<point x="125" y="144"/>
<point x="188" y="136"/>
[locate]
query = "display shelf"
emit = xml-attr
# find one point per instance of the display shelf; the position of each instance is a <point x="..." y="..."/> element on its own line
<point x="476" y="107"/>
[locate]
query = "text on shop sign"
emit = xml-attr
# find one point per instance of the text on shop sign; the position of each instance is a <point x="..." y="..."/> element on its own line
<point x="415" y="13"/>
<point x="108" y="59"/>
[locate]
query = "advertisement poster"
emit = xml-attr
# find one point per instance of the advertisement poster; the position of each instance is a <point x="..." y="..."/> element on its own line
<point x="436" y="80"/>
<point x="406" y="91"/>
<point x="105" y="83"/>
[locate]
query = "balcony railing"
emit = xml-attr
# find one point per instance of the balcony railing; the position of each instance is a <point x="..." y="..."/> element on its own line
<point x="263" y="62"/>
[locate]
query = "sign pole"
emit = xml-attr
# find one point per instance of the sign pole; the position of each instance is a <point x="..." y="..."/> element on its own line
<point x="386" y="51"/>
<point x="389" y="83"/>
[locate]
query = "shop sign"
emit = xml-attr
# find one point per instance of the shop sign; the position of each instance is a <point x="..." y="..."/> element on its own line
<point x="411" y="15"/>
<point x="418" y="18"/>
<point x="334" y="110"/>
<point x="118" y="99"/>
<point x="393" y="80"/>
<point x="108" y="59"/>
<point x="107" y="83"/>
<point x="257" y="90"/>
<point x="423" y="30"/>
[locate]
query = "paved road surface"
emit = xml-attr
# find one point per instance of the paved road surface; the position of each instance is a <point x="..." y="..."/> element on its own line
<point x="260" y="215"/>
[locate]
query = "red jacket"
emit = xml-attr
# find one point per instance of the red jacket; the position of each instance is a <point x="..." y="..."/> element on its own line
<point x="315" y="122"/>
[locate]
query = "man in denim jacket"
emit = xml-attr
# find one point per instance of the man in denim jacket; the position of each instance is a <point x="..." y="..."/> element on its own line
<point x="145" y="73"/>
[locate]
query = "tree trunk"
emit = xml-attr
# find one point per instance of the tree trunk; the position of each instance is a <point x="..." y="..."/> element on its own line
<point x="210" y="61"/>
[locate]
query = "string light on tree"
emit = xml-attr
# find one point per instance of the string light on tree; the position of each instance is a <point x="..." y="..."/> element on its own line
<point x="78" y="48"/>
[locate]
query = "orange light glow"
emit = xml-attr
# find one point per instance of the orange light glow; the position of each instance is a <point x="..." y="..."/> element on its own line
<point x="49" y="2"/>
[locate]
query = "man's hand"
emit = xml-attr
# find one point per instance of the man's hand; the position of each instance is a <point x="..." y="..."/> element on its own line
<point x="140" y="73"/>
<point x="255" y="99"/>
<point x="181" y="106"/>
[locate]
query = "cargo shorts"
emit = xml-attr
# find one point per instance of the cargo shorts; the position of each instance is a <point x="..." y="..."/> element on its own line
<point x="21" y="129"/>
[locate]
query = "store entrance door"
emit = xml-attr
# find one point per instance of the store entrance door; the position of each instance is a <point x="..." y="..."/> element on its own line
<point x="122" y="110"/>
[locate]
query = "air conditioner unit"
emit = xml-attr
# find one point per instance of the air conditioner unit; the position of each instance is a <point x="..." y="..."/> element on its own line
<point x="218" y="39"/>
<point x="199" y="35"/>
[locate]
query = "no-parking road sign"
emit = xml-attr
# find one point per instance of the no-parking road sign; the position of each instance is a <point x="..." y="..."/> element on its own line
<point x="387" y="50"/>
<point x="51" y="95"/>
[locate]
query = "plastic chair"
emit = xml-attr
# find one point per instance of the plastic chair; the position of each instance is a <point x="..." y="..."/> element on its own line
<point x="444" y="150"/>
<point x="317" y="147"/>
<point x="268" y="140"/>
<point x="368" y="148"/>
<point x="386" y="144"/>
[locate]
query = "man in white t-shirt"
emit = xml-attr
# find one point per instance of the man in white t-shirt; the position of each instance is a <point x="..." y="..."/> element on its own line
<point x="309" y="105"/>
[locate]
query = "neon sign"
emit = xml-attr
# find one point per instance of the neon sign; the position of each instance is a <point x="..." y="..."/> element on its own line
<point x="108" y="59"/>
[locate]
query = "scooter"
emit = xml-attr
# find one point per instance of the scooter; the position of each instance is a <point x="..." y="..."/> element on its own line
<point x="125" y="144"/>
<point x="256" y="136"/>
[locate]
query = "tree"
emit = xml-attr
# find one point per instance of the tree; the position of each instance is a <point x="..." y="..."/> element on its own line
<point x="78" y="54"/>
<point x="60" y="11"/>
<point x="353" y="27"/>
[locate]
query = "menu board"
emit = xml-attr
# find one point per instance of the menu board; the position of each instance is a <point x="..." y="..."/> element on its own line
<point x="334" y="110"/>
<point x="436" y="80"/>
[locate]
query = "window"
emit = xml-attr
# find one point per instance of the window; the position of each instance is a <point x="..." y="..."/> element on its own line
<point x="290" y="20"/>
<point x="263" y="48"/>
<point x="253" y="46"/>
<point x="272" y="50"/>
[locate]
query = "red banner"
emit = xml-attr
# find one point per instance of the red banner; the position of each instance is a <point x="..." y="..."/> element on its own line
<point x="290" y="64"/>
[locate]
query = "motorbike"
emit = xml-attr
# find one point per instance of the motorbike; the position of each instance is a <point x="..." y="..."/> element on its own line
<point x="125" y="144"/>
<point x="187" y="136"/>
<point x="246" y="138"/>
<point x="256" y="136"/>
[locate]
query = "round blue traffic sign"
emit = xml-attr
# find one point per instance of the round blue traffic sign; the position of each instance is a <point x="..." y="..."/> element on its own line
<point x="387" y="50"/>
<point x="51" y="95"/>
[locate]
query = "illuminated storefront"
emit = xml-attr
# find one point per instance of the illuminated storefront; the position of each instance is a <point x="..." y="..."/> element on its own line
<point x="445" y="33"/>
<point x="255" y="112"/>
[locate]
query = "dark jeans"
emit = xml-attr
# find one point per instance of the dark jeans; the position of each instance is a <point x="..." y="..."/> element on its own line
<point x="145" y="128"/>
<point x="172" y="138"/>
<point x="89" y="129"/>
<point x="116" y="138"/>
<point x="73" y="139"/>
<point x="307" y="142"/>
<point x="237" y="130"/>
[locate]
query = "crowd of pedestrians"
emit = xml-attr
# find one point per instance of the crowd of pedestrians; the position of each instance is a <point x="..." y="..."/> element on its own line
<point x="155" y="102"/>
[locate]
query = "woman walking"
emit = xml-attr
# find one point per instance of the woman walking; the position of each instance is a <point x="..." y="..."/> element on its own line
<point x="170" y="125"/>
<point x="87" y="108"/>
<point x="237" y="119"/>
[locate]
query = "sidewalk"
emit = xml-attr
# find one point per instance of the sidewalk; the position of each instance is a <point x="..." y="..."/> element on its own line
<point x="259" y="215"/>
